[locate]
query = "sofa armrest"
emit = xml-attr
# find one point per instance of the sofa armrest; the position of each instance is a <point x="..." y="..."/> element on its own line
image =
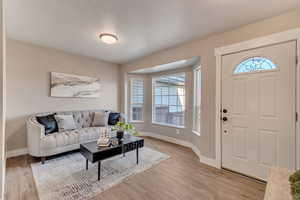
<point x="35" y="132"/>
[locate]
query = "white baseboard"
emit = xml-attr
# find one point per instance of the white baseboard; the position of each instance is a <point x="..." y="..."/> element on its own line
<point x="208" y="161"/>
<point x="16" y="152"/>
<point x="196" y="151"/>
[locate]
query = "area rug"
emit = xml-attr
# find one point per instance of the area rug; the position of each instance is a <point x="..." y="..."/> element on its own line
<point x="65" y="177"/>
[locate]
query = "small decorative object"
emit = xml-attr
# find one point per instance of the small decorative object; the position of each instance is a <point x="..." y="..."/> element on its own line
<point x="68" y="85"/>
<point x="295" y="185"/>
<point x="104" y="140"/>
<point x="122" y="127"/>
<point x="114" y="141"/>
<point x="104" y="133"/>
<point x="120" y="134"/>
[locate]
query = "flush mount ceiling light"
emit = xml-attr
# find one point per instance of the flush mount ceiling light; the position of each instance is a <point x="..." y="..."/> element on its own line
<point x="108" y="38"/>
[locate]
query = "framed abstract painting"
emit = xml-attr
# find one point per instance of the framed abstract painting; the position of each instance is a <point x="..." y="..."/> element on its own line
<point x="69" y="85"/>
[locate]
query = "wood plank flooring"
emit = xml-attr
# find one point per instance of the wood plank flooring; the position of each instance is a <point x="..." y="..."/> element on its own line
<point x="182" y="177"/>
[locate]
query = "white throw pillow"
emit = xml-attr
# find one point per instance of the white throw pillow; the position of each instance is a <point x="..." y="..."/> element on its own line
<point x="65" y="122"/>
<point x="100" y="119"/>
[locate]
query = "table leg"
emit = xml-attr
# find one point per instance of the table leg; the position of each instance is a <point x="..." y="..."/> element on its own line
<point x="137" y="155"/>
<point x="86" y="164"/>
<point x="99" y="170"/>
<point x="123" y="149"/>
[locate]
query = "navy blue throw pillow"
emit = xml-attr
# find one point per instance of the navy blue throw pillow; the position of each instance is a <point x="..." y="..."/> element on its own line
<point x="113" y="118"/>
<point x="49" y="123"/>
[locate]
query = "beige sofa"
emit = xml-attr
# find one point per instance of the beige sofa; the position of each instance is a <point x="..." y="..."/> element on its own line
<point x="41" y="145"/>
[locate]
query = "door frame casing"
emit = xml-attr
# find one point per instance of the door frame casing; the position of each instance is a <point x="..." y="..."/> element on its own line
<point x="276" y="38"/>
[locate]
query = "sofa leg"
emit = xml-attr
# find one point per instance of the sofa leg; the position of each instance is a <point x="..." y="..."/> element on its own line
<point x="43" y="160"/>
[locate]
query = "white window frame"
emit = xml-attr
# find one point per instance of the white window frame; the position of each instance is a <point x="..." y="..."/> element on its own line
<point x="153" y="101"/>
<point x="130" y="100"/>
<point x="195" y="94"/>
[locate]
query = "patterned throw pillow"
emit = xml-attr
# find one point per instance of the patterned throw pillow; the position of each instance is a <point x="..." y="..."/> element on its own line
<point x="65" y="122"/>
<point x="49" y="123"/>
<point x="114" y="118"/>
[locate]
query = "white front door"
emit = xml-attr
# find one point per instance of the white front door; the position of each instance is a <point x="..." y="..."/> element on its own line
<point x="258" y="109"/>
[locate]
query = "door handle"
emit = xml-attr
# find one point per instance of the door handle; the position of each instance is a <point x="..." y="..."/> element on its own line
<point x="225" y="119"/>
<point x="225" y="111"/>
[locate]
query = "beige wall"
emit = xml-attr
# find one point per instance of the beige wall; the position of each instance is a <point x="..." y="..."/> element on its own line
<point x="204" y="47"/>
<point x="28" y="85"/>
<point x="2" y="102"/>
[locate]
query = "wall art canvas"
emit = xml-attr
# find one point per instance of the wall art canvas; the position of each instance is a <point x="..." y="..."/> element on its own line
<point x="68" y="85"/>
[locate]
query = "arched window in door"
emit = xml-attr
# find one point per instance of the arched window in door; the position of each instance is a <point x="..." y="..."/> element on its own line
<point x="254" y="64"/>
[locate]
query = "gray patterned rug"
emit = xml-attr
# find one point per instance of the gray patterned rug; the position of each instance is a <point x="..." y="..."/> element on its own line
<point x="65" y="177"/>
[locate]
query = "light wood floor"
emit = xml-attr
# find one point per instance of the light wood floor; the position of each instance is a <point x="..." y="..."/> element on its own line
<point x="182" y="177"/>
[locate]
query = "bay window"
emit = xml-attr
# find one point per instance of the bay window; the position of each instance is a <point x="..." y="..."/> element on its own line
<point x="169" y="100"/>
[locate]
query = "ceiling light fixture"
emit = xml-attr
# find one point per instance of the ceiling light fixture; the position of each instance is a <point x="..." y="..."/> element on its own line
<point x="108" y="38"/>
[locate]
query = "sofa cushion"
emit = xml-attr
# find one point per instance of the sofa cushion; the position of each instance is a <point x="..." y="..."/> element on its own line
<point x="114" y="118"/>
<point x="49" y="123"/>
<point x="100" y="119"/>
<point x="89" y="134"/>
<point x="77" y="136"/>
<point x="65" y="122"/>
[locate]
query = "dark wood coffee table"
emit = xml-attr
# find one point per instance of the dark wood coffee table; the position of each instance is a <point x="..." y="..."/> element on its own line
<point x="93" y="153"/>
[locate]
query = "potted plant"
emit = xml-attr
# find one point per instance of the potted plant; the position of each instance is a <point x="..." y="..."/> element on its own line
<point x="122" y="127"/>
<point x="295" y="185"/>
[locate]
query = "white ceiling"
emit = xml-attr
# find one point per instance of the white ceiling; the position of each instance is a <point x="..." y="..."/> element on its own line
<point x="169" y="66"/>
<point x="143" y="26"/>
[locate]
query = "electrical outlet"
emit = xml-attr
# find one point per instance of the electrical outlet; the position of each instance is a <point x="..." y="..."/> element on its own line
<point x="177" y="131"/>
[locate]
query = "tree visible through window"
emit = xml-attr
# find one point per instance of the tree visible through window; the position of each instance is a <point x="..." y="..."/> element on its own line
<point x="137" y="99"/>
<point x="254" y="64"/>
<point x="169" y="99"/>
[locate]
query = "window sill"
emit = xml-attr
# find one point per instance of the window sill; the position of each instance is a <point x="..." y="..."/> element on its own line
<point x="168" y="125"/>
<point x="196" y="133"/>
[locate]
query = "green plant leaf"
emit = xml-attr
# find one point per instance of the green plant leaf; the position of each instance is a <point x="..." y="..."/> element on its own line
<point x="295" y="177"/>
<point x="295" y="188"/>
